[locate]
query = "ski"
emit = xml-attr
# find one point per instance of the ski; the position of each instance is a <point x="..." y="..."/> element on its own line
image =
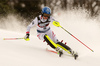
<point x="60" y="53"/>
<point x="51" y="51"/>
<point x="75" y="55"/>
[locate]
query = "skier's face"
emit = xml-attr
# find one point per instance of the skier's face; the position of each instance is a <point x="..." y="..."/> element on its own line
<point x="45" y="16"/>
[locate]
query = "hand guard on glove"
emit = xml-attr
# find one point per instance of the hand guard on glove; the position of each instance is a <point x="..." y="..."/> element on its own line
<point x="27" y="37"/>
<point x="57" y="24"/>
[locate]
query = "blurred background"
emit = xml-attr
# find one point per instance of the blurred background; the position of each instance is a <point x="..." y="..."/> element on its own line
<point x="28" y="9"/>
<point x="22" y="12"/>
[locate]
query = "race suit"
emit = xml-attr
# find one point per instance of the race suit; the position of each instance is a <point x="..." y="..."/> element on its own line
<point x="43" y="28"/>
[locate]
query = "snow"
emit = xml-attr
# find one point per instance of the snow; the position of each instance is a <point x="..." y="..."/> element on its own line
<point x="33" y="52"/>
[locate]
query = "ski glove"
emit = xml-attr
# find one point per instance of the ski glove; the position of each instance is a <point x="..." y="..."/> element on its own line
<point x="27" y="37"/>
<point x="57" y="24"/>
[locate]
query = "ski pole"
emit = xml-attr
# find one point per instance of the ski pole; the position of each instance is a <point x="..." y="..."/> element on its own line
<point x="12" y="38"/>
<point x="77" y="39"/>
<point x="58" y="25"/>
<point x="16" y="39"/>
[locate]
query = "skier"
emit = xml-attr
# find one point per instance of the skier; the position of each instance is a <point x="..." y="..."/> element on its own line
<point x="45" y="33"/>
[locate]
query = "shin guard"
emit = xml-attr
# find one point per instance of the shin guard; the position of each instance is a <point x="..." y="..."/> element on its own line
<point x="50" y="42"/>
<point x="64" y="47"/>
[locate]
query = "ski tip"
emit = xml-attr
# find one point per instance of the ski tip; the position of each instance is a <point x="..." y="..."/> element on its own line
<point x="60" y="53"/>
<point x="76" y="56"/>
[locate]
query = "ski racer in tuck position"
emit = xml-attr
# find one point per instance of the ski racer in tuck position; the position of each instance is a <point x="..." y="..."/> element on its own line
<point x="46" y="34"/>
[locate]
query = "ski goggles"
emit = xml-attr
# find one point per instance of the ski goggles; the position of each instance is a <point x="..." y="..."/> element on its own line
<point x="46" y="15"/>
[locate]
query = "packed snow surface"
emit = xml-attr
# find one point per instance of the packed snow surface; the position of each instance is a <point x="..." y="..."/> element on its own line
<point x="33" y="53"/>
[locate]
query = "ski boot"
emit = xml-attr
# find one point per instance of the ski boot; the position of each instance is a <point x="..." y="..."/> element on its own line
<point x="60" y="52"/>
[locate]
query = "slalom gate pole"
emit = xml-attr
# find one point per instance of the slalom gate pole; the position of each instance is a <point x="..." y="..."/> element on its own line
<point x="77" y="39"/>
<point x="12" y="38"/>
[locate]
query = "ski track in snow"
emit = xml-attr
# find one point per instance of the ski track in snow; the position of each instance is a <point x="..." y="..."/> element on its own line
<point x="33" y="52"/>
